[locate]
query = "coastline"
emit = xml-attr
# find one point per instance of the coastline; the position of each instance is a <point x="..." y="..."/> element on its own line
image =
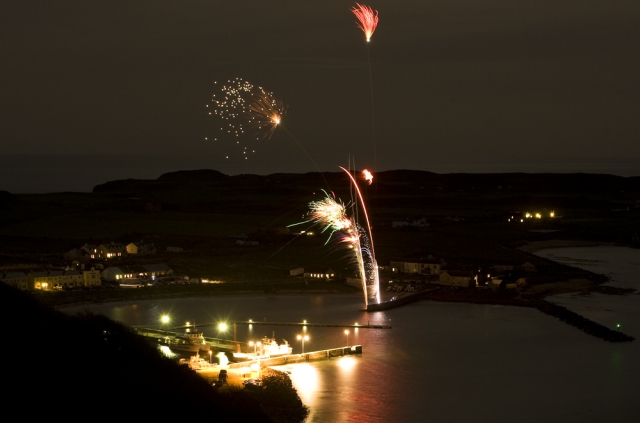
<point x="534" y="246"/>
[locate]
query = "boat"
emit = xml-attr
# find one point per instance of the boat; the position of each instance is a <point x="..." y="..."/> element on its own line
<point x="191" y="341"/>
<point x="196" y="362"/>
<point x="270" y="348"/>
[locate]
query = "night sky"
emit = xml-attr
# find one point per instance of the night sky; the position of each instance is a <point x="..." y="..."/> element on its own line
<point x="461" y="81"/>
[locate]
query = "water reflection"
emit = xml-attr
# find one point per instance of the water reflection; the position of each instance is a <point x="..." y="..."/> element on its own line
<point x="305" y="379"/>
<point x="440" y="362"/>
<point x="347" y="364"/>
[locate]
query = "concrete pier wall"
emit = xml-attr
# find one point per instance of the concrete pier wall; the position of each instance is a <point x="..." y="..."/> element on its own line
<point x="301" y="358"/>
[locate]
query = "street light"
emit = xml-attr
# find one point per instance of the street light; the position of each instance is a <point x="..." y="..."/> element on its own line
<point x="303" y="338"/>
<point x="255" y="345"/>
<point x="164" y="319"/>
<point x="346" y="332"/>
<point x="210" y="352"/>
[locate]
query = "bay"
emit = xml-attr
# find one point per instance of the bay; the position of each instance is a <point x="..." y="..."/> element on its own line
<point x="440" y="362"/>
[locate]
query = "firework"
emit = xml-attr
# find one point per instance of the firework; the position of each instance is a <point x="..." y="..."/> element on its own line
<point x="265" y="112"/>
<point x="332" y="215"/>
<point x="367" y="176"/>
<point x="371" y="279"/>
<point x="245" y="114"/>
<point x="367" y="22"/>
<point x="367" y="19"/>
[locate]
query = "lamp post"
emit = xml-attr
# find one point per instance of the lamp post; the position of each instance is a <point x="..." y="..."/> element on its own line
<point x="346" y="332"/>
<point x="255" y="345"/>
<point x="303" y="338"/>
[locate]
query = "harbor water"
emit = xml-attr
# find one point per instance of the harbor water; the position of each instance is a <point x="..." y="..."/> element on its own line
<point x="441" y="362"/>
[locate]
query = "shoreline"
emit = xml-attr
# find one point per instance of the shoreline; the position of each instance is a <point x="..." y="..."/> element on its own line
<point x="533" y="247"/>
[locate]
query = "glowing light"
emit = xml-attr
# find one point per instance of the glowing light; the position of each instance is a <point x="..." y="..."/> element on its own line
<point x="165" y="319"/>
<point x="302" y="338"/>
<point x="367" y="19"/>
<point x="347" y="363"/>
<point x="222" y="359"/>
<point x="367" y="176"/>
<point x="222" y="327"/>
<point x="166" y="351"/>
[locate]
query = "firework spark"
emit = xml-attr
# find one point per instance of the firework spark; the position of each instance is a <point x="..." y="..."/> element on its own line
<point x="246" y="114"/>
<point x="332" y="215"/>
<point x="368" y="176"/>
<point x="367" y="19"/>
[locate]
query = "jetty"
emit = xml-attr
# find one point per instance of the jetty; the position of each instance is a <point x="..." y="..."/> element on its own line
<point x="301" y="358"/>
<point x="398" y="301"/>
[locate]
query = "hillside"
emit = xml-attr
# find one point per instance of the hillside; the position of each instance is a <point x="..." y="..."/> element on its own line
<point x="206" y="212"/>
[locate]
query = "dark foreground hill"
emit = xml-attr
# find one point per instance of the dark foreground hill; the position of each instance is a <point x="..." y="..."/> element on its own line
<point x="59" y="366"/>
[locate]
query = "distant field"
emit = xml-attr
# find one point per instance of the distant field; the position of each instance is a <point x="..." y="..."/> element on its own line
<point x="112" y="225"/>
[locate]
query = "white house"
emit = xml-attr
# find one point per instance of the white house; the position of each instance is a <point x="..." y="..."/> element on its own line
<point x="112" y="274"/>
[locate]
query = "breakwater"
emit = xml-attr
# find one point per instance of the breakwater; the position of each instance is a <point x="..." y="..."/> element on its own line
<point x="320" y="325"/>
<point x="582" y="323"/>
<point x="400" y="301"/>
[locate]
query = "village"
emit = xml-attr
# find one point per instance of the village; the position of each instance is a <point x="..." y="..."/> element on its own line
<point x="96" y="265"/>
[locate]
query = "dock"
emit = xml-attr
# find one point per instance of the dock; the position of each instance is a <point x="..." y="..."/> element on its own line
<point x="301" y="358"/>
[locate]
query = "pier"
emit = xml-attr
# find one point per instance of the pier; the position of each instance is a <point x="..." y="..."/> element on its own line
<point x="301" y="358"/>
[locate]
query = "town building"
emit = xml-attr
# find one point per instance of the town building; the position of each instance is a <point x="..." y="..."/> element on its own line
<point x="430" y="266"/>
<point x="140" y="248"/>
<point x="459" y="278"/>
<point x="111" y="250"/>
<point x="320" y="273"/>
<point x="62" y="279"/>
<point x="145" y="271"/>
<point x="15" y="279"/>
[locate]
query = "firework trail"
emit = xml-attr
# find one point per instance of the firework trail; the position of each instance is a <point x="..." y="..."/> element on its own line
<point x="367" y="22"/>
<point x="331" y="214"/>
<point x="371" y="275"/>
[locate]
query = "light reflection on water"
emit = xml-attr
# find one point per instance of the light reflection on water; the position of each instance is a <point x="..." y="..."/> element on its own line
<point x="439" y="362"/>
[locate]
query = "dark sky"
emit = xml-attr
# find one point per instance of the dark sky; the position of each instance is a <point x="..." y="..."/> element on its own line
<point x="526" y="81"/>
